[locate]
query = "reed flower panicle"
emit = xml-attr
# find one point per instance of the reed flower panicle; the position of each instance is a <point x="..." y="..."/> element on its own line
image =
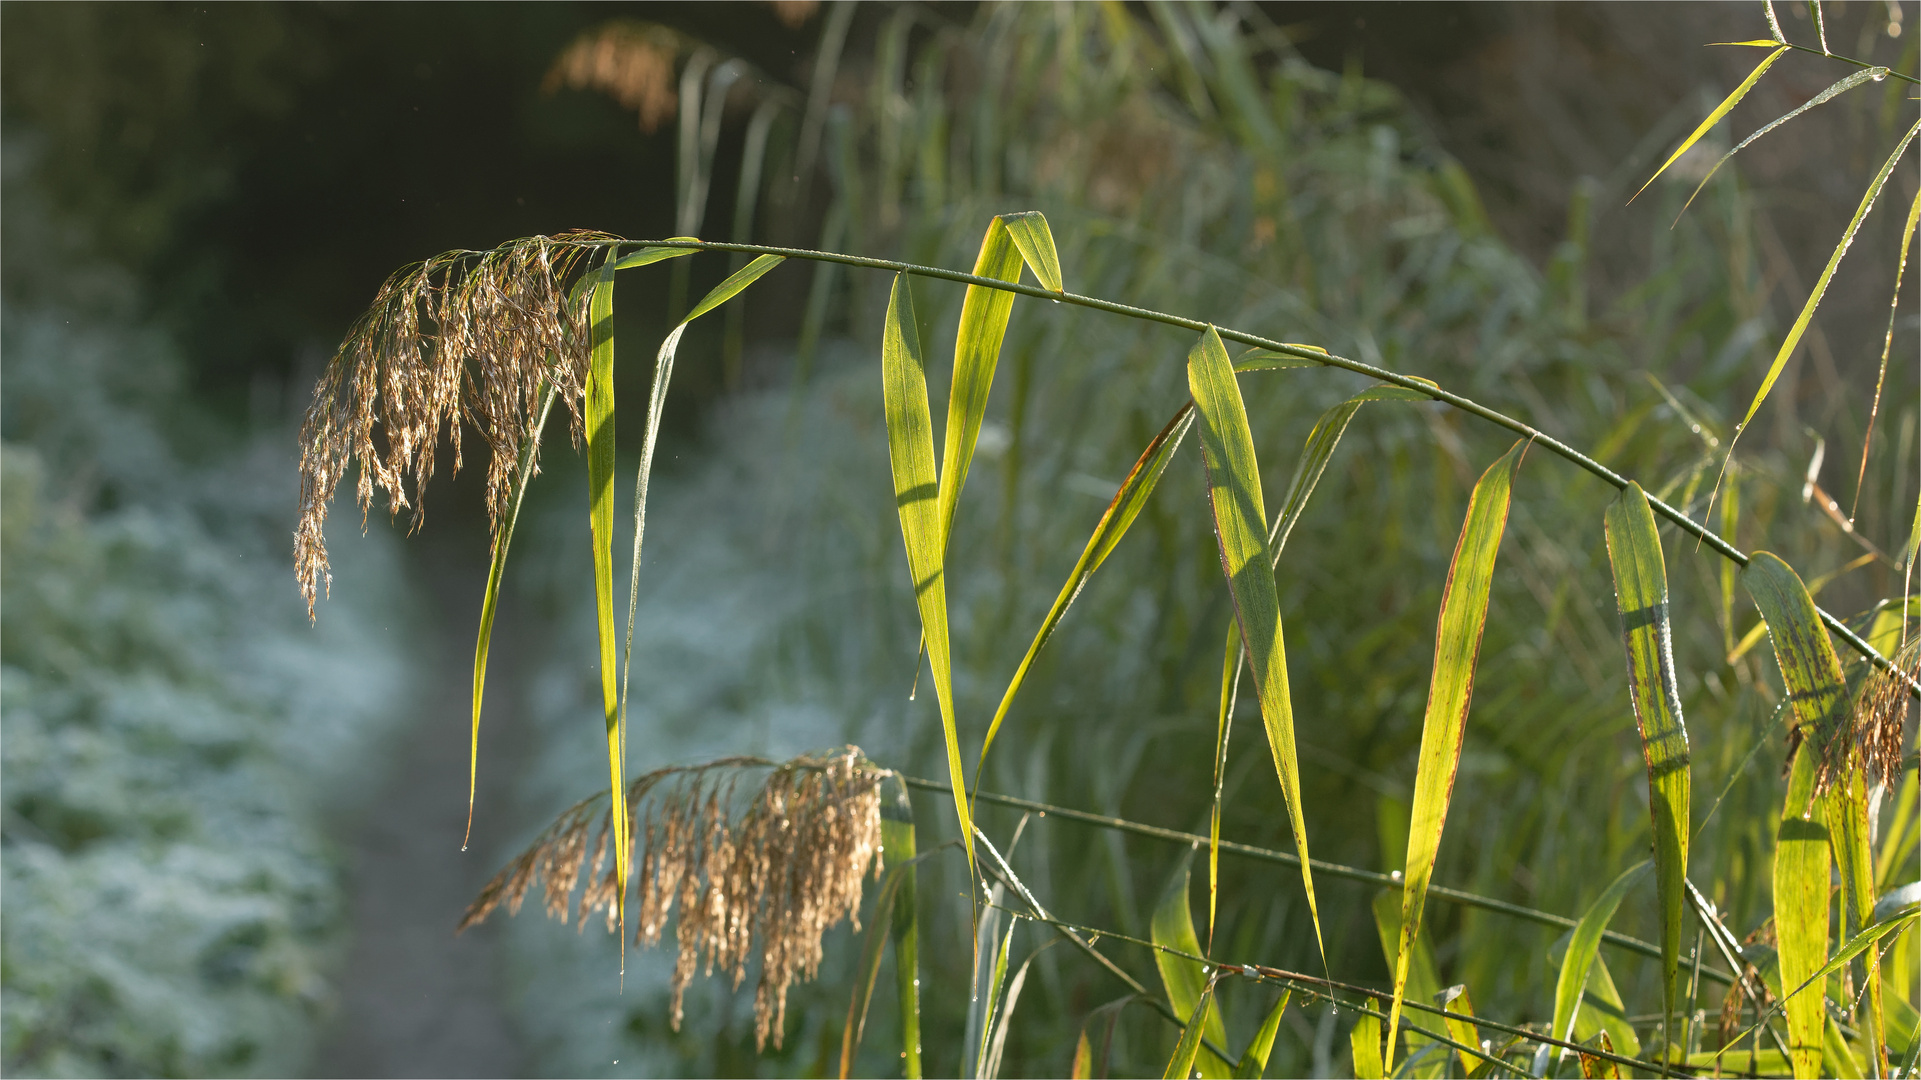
<point x="766" y="885"/>
<point x="465" y="335"/>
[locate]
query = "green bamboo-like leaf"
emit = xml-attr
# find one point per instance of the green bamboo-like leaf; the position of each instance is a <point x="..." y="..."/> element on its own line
<point x="1582" y="948"/>
<point x="1035" y="240"/>
<point x="1821" y="284"/>
<point x="1364" y="1041"/>
<point x="1186" y="980"/>
<point x="1423" y="978"/>
<point x="1864" y="939"/>
<point x="897" y="840"/>
<point x="989" y="1006"/>
<point x="1188" y="1050"/>
<point x="1720" y="110"/>
<point x="1122" y="509"/>
<point x="977" y="349"/>
<point x="1641" y="595"/>
<point x="1457" y="645"/>
<point x="731" y="287"/>
<point x="497" y="566"/>
<point x="1254" y="1059"/>
<point x="1240" y="517"/>
<point x="1223" y="727"/>
<point x="1801" y="874"/>
<point x="879" y="923"/>
<point x="1601" y="1009"/>
<point x="1847" y="801"/>
<point x="1873" y="74"/>
<point x="1270" y="360"/>
<point x="1809" y="667"/>
<point x="647" y="256"/>
<point x="599" y="410"/>
<point x="910" y="449"/>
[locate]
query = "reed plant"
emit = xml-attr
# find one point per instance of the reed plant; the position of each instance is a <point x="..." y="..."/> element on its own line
<point x="1196" y="182"/>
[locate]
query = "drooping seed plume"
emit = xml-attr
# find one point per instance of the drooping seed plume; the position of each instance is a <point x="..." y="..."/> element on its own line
<point x="764" y="886"/>
<point x="465" y="335"/>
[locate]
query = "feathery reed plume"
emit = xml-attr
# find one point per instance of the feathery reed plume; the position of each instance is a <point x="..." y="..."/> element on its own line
<point x="465" y="334"/>
<point x="767" y="885"/>
<point x="631" y="62"/>
<point x="1883" y="712"/>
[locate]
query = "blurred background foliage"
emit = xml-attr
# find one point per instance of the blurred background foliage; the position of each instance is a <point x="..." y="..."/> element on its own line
<point x="228" y="839"/>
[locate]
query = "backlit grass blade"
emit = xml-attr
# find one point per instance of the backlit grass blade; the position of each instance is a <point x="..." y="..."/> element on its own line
<point x="1423" y="978"/>
<point x="989" y="1006"/>
<point x="910" y="450"/>
<point x="1031" y="235"/>
<point x="1181" y="1065"/>
<point x="1714" y="117"/>
<point x="1809" y="666"/>
<point x="1240" y="520"/>
<point x="1223" y="727"/>
<point x="1801" y="875"/>
<point x="1083" y="1066"/>
<point x="1186" y="980"/>
<point x="731" y="287"/>
<point x="649" y="255"/>
<point x="1254" y="1059"/>
<point x="1582" y="948"/>
<point x="1821" y="284"/>
<point x="1456" y="999"/>
<point x="977" y="349"/>
<point x="1122" y="509"/>
<point x="897" y="840"/>
<point x="1010" y="998"/>
<point x="1848" y="834"/>
<point x="1270" y="360"/>
<point x="497" y="566"/>
<point x="1641" y="595"/>
<point x="1875" y="74"/>
<point x="599" y="409"/>
<point x="1887" y="345"/>
<point x="1364" y="1042"/>
<point x="1457" y="646"/>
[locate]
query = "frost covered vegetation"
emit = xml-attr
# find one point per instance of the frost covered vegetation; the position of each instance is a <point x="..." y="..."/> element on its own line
<point x="1191" y="164"/>
<point x="177" y="739"/>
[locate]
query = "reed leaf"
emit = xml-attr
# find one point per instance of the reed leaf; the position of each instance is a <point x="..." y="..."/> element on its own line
<point x="1821" y="284"/>
<point x="1842" y="86"/>
<point x="1801" y="874"/>
<point x="1083" y="1065"/>
<point x="910" y="450"/>
<point x="1364" y="1042"/>
<point x="1182" y="1064"/>
<point x="1254" y="1059"/>
<point x="1122" y="509"/>
<point x="1641" y="596"/>
<point x="1583" y="946"/>
<point x="1172" y="929"/>
<point x="987" y="1007"/>
<point x="867" y="971"/>
<point x="1035" y="240"/>
<point x="1457" y="646"/>
<point x="599" y="407"/>
<point x="1720" y="111"/>
<point x="998" y="1045"/>
<point x="977" y="350"/>
<point x="1423" y="978"/>
<point x="1234" y="492"/>
<point x="897" y="841"/>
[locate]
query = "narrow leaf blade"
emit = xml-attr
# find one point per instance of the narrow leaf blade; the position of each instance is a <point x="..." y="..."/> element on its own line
<point x="1186" y="981"/>
<point x="897" y="840"/>
<point x="1364" y="1041"/>
<point x="1181" y="1065"/>
<point x="599" y="409"/>
<point x="1035" y="240"/>
<point x="647" y="256"/>
<point x="977" y="349"/>
<point x="1253" y="1061"/>
<point x="1457" y="646"/>
<point x="1582" y="947"/>
<point x="735" y="282"/>
<point x="1720" y="110"/>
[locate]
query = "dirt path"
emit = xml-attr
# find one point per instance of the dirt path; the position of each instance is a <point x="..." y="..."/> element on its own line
<point x="414" y="999"/>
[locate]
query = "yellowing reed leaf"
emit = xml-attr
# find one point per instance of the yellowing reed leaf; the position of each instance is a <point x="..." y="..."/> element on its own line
<point x="1254" y="1059"/>
<point x="1240" y="518"/>
<point x="1083" y="1066"/>
<point x="1581" y="950"/>
<point x="1809" y="666"/>
<point x="1186" y="980"/>
<point x="1122" y="509"/>
<point x="1821" y="284"/>
<point x="1457" y="646"/>
<point x="1364" y="1041"/>
<point x="1720" y="110"/>
<point x="1801" y="874"/>
<point x="1641" y="596"/>
<point x="1181" y="1065"/>
<point x="1423" y="978"/>
<point x="1035" y="240"/>
<point x="910" y="450"/>
<point x="599" y="407"/>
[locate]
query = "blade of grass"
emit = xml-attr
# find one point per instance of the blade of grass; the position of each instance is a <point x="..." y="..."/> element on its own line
<point x="1423" y="978"/>
<point x="1641" y="596"/>
<point x="1006" y="1021"/>
<point x="1801" y="874"/>
<point x="1035" y="240"/>
<point x="1809" y="666"/>
<point x="497" y="566"/>
<point x="1848" y="823"/>
<point x="1254" y="1059"/>
<point x="1181" y="1065"/>
<point x="1887" y="343"/>
<point x="1223" y="727"/>
<point x="990" y="1007"/>
<point x="1582" y="948"/>
<point x="599" y="409"/>
<point x="1457" y="645"/>
<point x="1234" y="492"/>
<point x="1083" y="1066"/>
<point x="1172" y="928"/>
<point x="1364" y="1042"/>
<point x="897" y="840"/>
<point x="1840" y="87"/>
<point x="910" y="449"/>
<point x="1821" y="284"/>
<point x="1714" y="117"/>
<point x="977" y="350"/>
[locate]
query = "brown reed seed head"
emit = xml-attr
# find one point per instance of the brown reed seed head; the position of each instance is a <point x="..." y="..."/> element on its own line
<point x="465" y="335"/>
<point x="631" y="62"/>
<point x="765" y="886"/>
<point x="1881" y="715"/>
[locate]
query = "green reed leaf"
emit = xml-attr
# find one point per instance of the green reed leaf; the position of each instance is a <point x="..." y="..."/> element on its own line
<point x="1847" y="803"/>
<point x="1186" y="980"/>
<point x="1364" y="1041"/>
<point x="977" y="349"/>
<point x="1821" y="284"/>
<point x="1182" y="1064"/>
<point x="1254" y="1059"/>
<point x="1456" y="999"/>
<point x="1122" y="509"/>
<point x="1031" y="235"/>
<point x="989" y="1005"/>
<point x="1874" y="74"/>
<point x="1801" y="875"/>
<point x="897" y="841"/>
<point x="910" y="450"/>
<point x="1641" y="596"/>
<point x="1423" y="978"/>
<point x="1270" y="360"/>
<point x="1457" y="646"/>
<point x="1582" y="948"/>
<point x="599" y="416"/>
<point x="1240" y="517"/>
<point x="647" y="256"/>
<point x="497" y="566"/>
<point x="1223" y="727"/>
<point x="1720" y="110"/>
<point x="731" y="287"/>
<point x="1809" y="666"/>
